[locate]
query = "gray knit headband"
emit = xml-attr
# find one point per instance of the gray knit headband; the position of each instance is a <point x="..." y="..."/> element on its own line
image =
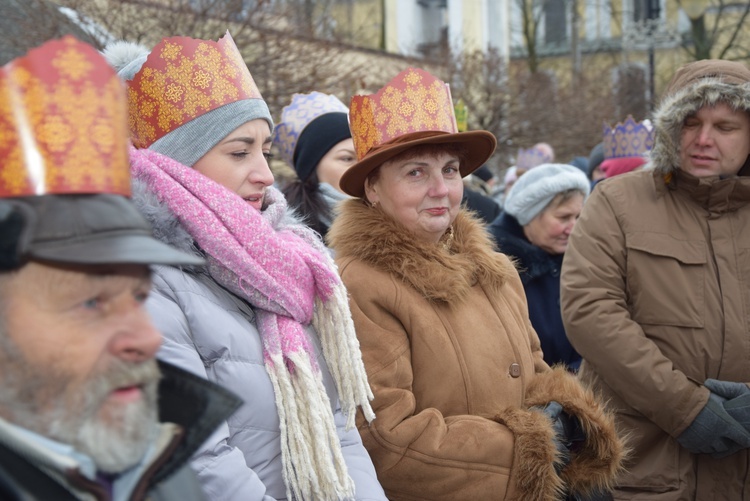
<point x="190" y="141"/>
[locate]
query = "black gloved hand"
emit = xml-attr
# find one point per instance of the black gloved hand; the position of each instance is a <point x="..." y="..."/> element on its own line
<point x="568" y="432"/>
<point x="737" y="395"/>
<point x="714" y="431"/>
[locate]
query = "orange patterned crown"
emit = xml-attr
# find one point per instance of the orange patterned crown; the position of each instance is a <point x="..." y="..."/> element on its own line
<point x="182" y="79"/>
<point x="62" y="123"/>
<point x="414" y="101"/>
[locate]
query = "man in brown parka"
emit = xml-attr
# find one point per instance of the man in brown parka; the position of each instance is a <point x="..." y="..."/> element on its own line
<point x="656" y="294"/>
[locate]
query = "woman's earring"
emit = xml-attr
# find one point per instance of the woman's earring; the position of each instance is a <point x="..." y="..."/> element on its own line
<point x="373" y="204"/>
<point x="449" y="238"/>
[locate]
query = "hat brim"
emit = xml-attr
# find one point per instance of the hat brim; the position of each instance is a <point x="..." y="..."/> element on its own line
<point x="480" y="145"/>
<point x="115" y="249"/>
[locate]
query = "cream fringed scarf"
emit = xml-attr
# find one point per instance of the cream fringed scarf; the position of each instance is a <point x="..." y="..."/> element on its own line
<point x="290" y="280"/>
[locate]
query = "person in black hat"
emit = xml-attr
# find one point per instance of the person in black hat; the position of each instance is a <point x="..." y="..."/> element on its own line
<point x="86" y="411"/>
<point x="476" y="194"/>
<point x="314" y="139"/>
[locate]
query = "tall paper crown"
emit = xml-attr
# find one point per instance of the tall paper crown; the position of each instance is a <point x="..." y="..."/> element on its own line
<point x="62" y="123"/>
<point x="414" y="101"/>
<point x="303" y="109"/>
<point x="182" y="79"/>
<point x="530" y="158"/>
<point x="628" y="139"/>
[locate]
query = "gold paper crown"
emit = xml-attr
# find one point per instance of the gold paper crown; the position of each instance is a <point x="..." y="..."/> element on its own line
<point x="414" y="101"/>
<point x="628" y="139"/>
<point x="62" y="123"/>
<point x="182" y="79"/>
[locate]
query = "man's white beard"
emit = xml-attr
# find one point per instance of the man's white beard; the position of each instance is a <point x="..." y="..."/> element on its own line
<point x="40" y="399"/>
<point x="117" y="440"/>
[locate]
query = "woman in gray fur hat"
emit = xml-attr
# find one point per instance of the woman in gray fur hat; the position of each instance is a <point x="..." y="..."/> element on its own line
<point x="539" y="214"/>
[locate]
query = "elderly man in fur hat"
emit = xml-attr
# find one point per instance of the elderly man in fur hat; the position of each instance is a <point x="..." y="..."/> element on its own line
<point x="86" y="411"/>
<point x="656" y="293"/>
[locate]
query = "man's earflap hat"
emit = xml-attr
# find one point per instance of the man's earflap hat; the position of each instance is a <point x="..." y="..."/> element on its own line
<point x="64" y="170"/>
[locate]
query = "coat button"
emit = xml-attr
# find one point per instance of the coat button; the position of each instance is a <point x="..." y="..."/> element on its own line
<point x="515" y="370"/>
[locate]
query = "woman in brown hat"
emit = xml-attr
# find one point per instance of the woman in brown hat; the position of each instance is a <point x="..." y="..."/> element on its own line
<point x="467" y="408"/>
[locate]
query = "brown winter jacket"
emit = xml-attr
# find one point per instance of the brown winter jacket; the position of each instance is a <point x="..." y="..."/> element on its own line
<point x="655" y="296"/>
<point x="454" y="365"/>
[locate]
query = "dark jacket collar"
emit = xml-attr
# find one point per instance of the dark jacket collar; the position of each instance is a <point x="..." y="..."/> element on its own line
<point x="531" y="261"/>
<point x="197" y="406"/>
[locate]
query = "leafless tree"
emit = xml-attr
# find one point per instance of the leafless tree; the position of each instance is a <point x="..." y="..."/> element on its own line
<point x="481" y="80"/>
<point x="720" y="31"/>
<point x="283" y="54"/>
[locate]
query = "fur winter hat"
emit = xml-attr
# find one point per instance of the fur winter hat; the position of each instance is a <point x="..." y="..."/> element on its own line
<point x="695" y="85"/>
<point x="193" y="98"/>
<point x="533" y="191"/>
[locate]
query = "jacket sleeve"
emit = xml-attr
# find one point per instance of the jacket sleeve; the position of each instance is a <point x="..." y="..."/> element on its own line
<point x="220" y="468"/>
<point x="358" y="462"/>
<point x="420" y="453"/>
<point x="599" y="324"/>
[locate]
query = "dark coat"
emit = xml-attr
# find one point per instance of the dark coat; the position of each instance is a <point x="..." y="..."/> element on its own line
<point x="484" y="207"/>
<point x="540" y="275"/>
<point x="195" y="405"/>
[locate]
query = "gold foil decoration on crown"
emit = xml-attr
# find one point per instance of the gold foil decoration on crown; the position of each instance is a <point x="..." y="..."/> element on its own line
<point x="414" y="101"/>
<point x="62" y="123"/>
<point x="182" y="79"/>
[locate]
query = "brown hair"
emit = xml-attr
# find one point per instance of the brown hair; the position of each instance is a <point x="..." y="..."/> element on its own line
<point x="563" y="197"/>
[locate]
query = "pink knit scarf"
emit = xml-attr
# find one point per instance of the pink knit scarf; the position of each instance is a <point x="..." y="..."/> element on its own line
<point x="284" y="272"/>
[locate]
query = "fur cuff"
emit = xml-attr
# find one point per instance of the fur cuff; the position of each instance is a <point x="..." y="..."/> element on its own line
<point x="595" y="466"/>
<point x="535" y="455"/>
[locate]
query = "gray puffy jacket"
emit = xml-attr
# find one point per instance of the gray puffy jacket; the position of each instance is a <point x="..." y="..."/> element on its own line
<point x="211" y="332"/>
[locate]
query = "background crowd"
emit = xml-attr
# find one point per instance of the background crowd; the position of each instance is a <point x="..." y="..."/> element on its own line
<point x="396" y="322"/>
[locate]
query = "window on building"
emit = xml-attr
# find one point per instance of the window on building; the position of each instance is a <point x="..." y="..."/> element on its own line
<point x="555" y="22"/>
<point x="434" y="37"/>
<point x="646" y="9"/>
<point x="631" y="90"/>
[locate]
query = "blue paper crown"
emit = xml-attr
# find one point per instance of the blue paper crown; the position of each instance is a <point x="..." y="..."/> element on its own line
<point x="303" y="109"/>
<point x="628" y="139"/>
<point x="530" y="158"/>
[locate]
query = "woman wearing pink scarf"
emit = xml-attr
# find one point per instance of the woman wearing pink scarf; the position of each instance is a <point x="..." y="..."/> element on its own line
<point x="267" y="317"/>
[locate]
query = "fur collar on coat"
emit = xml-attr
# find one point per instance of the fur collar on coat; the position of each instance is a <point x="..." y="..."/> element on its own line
<point x="369" y="234"/>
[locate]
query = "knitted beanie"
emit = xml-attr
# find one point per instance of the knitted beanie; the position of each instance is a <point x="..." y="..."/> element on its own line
<point x="484" y="173"/>
<point x="596" y="157"/>
<point x="615" y="166"/>
<point x="317" y="139"/>
<point x="533" y="191"/>
<point x="189" y="142"/>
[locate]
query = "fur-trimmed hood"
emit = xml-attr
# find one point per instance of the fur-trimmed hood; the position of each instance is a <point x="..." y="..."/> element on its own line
<point x="439" y="274"/>
<point x="705" y="83"/>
